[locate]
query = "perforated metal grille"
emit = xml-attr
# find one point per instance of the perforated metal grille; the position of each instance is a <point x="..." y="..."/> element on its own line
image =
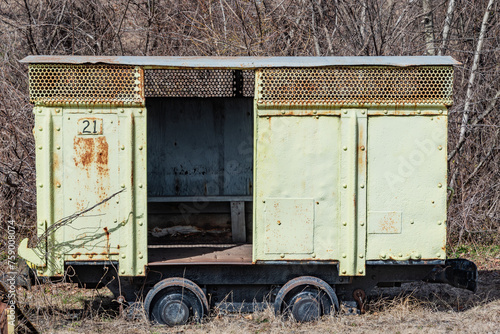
<point x="348" y="85"/>
<point x="114" y="84"/>
<point x="198" y="83"/>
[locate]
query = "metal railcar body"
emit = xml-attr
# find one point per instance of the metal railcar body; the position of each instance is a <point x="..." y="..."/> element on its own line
<point x="189" y="181"/>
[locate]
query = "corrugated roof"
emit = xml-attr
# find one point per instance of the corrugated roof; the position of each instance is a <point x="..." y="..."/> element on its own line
<point x="244" y="62"/>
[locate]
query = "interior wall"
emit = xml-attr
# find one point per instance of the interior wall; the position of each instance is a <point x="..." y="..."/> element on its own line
<point x="200" y="146"/>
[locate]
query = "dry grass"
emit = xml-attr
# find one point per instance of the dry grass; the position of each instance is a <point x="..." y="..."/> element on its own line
<point x="414" y="308"/>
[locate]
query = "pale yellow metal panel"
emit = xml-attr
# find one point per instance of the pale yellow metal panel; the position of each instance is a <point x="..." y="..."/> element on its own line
<point x="406" y="187"/>
<point x="353" y="129"/>
<point x="297" y="158"/>
<point x="290" y="224"/>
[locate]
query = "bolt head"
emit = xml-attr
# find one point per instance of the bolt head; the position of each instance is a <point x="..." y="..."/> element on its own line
<point x="122" y="271"/>
<point x="344" y="271"/>
<point x="344" y="255"/>
<point x="282" y="255"/>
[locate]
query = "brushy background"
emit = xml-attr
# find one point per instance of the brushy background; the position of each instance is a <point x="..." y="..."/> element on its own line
<point x="468" y="30"/>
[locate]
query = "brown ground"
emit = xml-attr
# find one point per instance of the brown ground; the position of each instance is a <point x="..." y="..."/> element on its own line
<point x="413" y="308"/>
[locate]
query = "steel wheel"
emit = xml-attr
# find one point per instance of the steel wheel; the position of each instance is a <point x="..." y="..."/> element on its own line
<point x="175" y="301"/>
<point x="305" y="299"/>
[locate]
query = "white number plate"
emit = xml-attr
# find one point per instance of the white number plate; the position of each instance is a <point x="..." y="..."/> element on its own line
<point x="90" y="126"/>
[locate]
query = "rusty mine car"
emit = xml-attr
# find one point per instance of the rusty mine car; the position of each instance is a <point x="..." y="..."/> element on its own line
<point x="188" y="183"/>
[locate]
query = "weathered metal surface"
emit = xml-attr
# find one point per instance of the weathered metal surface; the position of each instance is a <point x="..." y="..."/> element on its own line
<point x="243" y="62"/>
<point x="198" y="83"/>
<point x="232" y="255"/>
<point x="406" y="188"/>
<point x="62" y="84"/>
<point x="384" y="222"/>
<point x="296" y="159"/>
<point x="304" y="281"/>
<point x="199" y="147"/>
<point x="289" y="225"/>
<point x="352" y="189"/>
<point x="356" y="85"/>
<point x="80" y="165"/>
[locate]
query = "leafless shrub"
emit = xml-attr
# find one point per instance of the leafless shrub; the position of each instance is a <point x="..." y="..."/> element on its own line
<point x="265" y="28"/>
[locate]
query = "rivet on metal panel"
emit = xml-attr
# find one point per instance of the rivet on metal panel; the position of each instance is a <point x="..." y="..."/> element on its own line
<point x="282" y="255"/>
<point x="111" y="122"/>
<point x="362" y="186"/>
<point x="140" y="185"/>
<point x="278" y="222"/>
<point x="432" y="118"/>
<point x="140" y="148"/>
<point x="263" y="201"/>
<point x="313" y="255"/>
<point x="344" y="255"/>
<point x="58" y="128"/>
<point x="419" y="112"/>
<point x="117" y="201"/>
<point x="58" y="147"/>
<point x="283" y="112"/>
<point x="439" y="222"/>
<point x="440" y="111"/>
<point x="412" y="221"/>
<point x="74" y="256"/>
<point x="344" y="271"/>
<point x="124" y="222"/>
<point x="70" y="199"/>
<point x="345" y="112"/>
<point x="41" y="185"/>
<point x="140" y="111"/>
<point x="360" y="271"/>
<point x="440" y="147"/>
<point x="362" y="224"/>
<point x="438" y="255"/>
<point x="385" y="112"/>
<point x="363" y="112"/>
<point x="123" y="185"/>
<point x="382" y="255"/>
<point x="122" y="271"/>
<point x="58" y="185"/>
<point x="400" y="254"/>
<point x="317" y="117"/>
<point x="344" y="148"/>
<point x="69" y="118"/>
<point x="122" y="110"/>
<point x="140" y="223"/>
<point x="40" y="128"/>
<point x="90" y="111"/>
<point x="115" y="221"/>
<point x="362" y="148"/>
<point x="315" y="112"/>
<point x="122" y="147"/>
<point x="123" y="256"/>
<point x="140" y="272"/>
<point x="267" y="117"/>
<point x="141" y="256"/>
<point x="344" y="223"/>
<point x="58" y="111"/>
<point x="40" y="223"/>
<point x="440" y="185"/>
<point x="345" y="186"/>
<point x="361" y="256"/>
<point x="40" y="147"/>
<point x="317" y="203"/>
<point x="432" y="202"/>
<point x="40" y="110"/>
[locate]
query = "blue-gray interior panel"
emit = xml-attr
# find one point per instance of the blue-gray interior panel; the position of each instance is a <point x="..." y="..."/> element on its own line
<point x="200" y="146"/>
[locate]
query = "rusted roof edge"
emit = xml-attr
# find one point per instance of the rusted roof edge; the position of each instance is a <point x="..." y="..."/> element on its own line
<point x="245" y="62"/>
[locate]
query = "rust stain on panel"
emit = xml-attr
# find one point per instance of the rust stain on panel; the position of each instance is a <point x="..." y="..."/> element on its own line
<point x="389" y="223"/>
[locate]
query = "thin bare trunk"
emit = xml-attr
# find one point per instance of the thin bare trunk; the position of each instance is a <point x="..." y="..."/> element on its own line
<point x="446" y="28"/>
<point x="428" y="27"/>
<point x="470" y="86"/>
